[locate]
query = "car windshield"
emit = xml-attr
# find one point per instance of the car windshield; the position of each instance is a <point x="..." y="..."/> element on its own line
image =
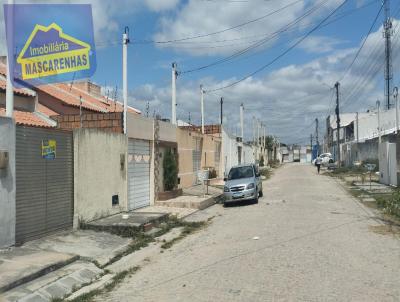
<point x="241" y="172"/>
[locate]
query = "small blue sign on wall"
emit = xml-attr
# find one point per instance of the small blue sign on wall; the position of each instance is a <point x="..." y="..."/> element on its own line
<point x="50" y="42"/>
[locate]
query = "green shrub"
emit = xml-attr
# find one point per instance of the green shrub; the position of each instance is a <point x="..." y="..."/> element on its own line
<point x="170" y="170"/>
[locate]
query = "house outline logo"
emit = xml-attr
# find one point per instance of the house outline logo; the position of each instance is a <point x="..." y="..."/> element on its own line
<point x="53" y="58"/>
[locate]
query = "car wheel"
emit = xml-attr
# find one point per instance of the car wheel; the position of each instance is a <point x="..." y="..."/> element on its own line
<point x="256" y="199"/>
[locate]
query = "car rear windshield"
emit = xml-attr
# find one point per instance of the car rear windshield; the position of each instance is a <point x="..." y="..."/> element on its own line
<point x="241" y="172"/>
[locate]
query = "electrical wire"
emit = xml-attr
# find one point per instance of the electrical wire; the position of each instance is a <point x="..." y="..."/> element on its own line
<point x="226" y="29"/>
<point x="363" y="43"/>
<point x="283" y="53"/>
<point x="258" y="43"/>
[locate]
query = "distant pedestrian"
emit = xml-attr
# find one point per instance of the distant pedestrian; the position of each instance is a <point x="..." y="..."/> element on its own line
<point x="318" y="164"/>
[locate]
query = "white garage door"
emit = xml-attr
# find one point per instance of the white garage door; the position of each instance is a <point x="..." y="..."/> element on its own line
<point x="138" y="174"/>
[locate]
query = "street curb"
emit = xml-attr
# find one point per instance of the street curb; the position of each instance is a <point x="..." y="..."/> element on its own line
<point x="44" y="271"/>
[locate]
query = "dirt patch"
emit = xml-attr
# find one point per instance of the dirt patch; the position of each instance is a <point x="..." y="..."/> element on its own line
<point x="385" y="229"/>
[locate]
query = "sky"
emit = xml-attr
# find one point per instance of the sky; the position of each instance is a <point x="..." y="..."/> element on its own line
<point x="280" y="58"/>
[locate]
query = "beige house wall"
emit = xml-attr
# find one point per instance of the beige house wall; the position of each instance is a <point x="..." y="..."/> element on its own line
<point x="100" y="171"/>
<point x="186" y="145"/>
<point x="140" y="127"/>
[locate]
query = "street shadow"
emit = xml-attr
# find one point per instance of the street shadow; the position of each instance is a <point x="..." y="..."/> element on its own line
<point x="239" y="203"/>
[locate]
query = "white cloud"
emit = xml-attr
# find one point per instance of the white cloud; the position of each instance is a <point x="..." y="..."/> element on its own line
<point x="202" y="17"/>
<point x="287" y="99"/>
<point x="161" y="5"/>
<point x="320" y="44"/>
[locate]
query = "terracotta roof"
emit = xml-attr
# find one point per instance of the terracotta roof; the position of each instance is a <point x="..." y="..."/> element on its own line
<point x="45" y="110"/>
<point x="18" y="91"/>
<point x="71" y="96"/>
<point x="68" y="98"/>
<point x="107" y="104"/>
<point x="27" y="119"/>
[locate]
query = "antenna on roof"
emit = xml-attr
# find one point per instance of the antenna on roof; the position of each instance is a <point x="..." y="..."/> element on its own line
<point x="147" y="108"/>
<point x="108" y="94"/>
<point x="72" y="82"/>
<point x="115" y="97"/>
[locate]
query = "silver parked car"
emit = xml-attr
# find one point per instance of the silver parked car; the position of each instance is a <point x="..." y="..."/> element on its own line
<point x="243" y="183"/>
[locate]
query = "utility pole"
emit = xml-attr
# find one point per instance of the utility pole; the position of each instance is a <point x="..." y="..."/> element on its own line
<point x="189" y="118"/>
<point x="125" y="42"/>
<point x="387" y="34"/>
<point x="311" y="141"/>
<point x="357" y="128"/>
<point x="202" y="108"/>
<point x="173" y="93"/>
<point x="264" y="133"/>
<point x="222" y="104"/>
<point x="254" y="130"/>
<point x="316" y="135"/>
<point x="10" y="73"/>
<point x="241" y="121"/>
<point x="395" y="95"/>
<point x="337" y="123"/>
<point x="378" y="106"/>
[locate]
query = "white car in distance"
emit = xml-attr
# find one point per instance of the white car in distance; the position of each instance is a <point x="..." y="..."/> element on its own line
<point x="326" y="158"/>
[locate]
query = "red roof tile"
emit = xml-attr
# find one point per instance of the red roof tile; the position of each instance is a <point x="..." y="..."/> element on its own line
<point x="45" y="110"/>
<point x="68" y="98"/>
<point x="18" y="91"/>
<point x="107" y="104"/>
<point x="27" y="119"/>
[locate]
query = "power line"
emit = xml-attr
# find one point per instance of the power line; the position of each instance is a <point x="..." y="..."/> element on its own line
<point x="226" y="29"/>
<point x="283" y="53"/>
<point x="258" y="43"/>
<point x="363" y="43"/>
<point x="186" y="40"/>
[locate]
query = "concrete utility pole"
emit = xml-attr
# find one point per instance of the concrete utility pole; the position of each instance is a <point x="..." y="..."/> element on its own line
<point x="264" y="133"/>
<point x="311" y="140"/>
<point x="254" y="130"/>
<point x="241" y="121"/>
<point x="337" y="122"/>
<point x="222" y="104"/>
<point x="378" y="106"/>
<point x="387" y="34"/>
<point x="202" y="108"/>
<point x="395" y="95"/>
<point x="125" y="42"/>
<point x="10" y="58"/>
<point x="173" y="94"/>
<point x="357" y="128"/>
<point x="316" y="135"/>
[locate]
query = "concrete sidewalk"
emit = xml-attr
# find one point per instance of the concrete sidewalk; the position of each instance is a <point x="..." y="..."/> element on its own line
<point x="195" y="197"/>
<point x="20" y="265"/>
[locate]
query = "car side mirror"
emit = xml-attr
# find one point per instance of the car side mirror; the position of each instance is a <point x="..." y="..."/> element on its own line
<point x="225" y="179"/>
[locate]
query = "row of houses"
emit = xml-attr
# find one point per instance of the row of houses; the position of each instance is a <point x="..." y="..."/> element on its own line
<point x="366" y="137"/>
<point x="295" y="153"/>
<point x="64" y="158"/>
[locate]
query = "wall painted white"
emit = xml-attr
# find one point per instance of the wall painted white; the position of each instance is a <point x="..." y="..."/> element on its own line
<point x="230" y="156"/>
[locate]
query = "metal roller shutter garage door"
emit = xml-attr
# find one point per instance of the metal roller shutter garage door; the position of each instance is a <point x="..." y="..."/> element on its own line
<point x="138" y="173"/>
<point x="44" y="187"/>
